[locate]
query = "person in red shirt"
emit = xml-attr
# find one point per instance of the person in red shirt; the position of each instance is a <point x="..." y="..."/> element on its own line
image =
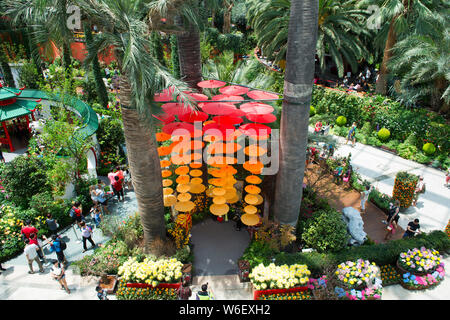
<point x="77" y="212"/>
<point x="34" y="240"/>
<point x="118" y="187"/>
<point x="27" y="230"/>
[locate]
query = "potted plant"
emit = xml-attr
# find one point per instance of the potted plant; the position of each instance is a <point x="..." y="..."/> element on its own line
<point x="404" y="188"/>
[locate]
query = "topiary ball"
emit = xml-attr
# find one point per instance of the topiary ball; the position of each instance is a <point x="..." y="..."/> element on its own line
<point x="429" y="148"/>
<point x="312" y="111"/>
<point x="341" y="121"/>
<point x="384" y="134"/>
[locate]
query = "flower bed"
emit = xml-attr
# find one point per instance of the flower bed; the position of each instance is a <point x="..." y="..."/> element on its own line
<point x="142" y="291"/>
<point x="298" y="293"/>
<point x="151" y="272"/>
<point x="357" y="274"/>
<point x="279" y="277"/>
<point x="419" y="261"/>
<point x="389" y="275"/>
<point x="415" y="282"/>
<point x="365" y="294"/>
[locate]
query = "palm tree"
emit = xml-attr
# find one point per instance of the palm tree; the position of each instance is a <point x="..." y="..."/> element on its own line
<point x="395" y="17"/>
<point x="422" y="63"/>
<point x="301" y="45"/>
<point x="124" y="27"/>
<point x="339" y="28"/>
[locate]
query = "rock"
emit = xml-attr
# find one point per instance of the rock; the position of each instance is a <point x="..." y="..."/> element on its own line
<point x="355" y="225"/>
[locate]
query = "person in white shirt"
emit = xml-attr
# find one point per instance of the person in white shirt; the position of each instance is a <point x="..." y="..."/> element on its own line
<point x="86" y="233"/>
<point x="59" y="274"/>
<point x="32" y="255"/>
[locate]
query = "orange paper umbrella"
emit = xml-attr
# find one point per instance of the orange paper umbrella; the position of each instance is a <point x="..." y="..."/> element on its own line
<point x="254" y="151"/>
<point x="181" y="159"/>
<point x="196" y="173"/>
<point x="218" y="182"/>
<point x="219" y="191"/>
<point x="166" y="173"/>
<point x="195" y="165"/>
<point x="252" y="189"/>
<point x="254" y="167"/>
<point x="165" y="163"/>
<point x="223" y="148"/>
<point x="250" y="209"/>
<point x="183" y="179"/>
<point x="260" y="199"/>
<point x="219" y="200"/>
<point x="164" y="150"/>
<point x="215" y="161"/>
<point x="219" y="209"/>
<point x="230" y="193"/>
<point x="169" y="200"/>
<point x="253" y="179"/>
<point x="250" y="219"/>
<point x="183" y="188"/>
<point x="251" y="199"/>
<point x="217" y="173"/>
<point x="196" y="181"/>
<point x="184" y="206"/>
<point x="182" y="170"/>
<point x="162" y="136"/>
<point x="184" y="197"/>
<point x="197" y="188"/>
<point x="229" y="170"/>
<point x="167" y="191"/>
<point x="167" y="182"/>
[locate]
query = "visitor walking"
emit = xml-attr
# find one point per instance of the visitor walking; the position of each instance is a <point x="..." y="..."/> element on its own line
<point x="35" y="240"/>
<point x="184" y="292"/>
<point x="86" y="233"/>
<point x="102" y="200"/>
<point x="52" y="224"/>
<point x="27" y="230"/>
<point x="58" y="246"/>
<point x="97" y="215"/>
<point x="204" y="294"/>
<point x="117" y="186"/>
<point x="412" y="229"/>
<point x="102" y="294"/>
<point x="127" y="179"/>
<point x="364" y="197"/>
<point x="32" y="255"/>
<point x="58" y="273"/>
<point x="392" y="221"/>
<point x="352" y="134"/>
<point x="337" y="177"/>
<point x="420" y="188"/>
<point x="93" y="194"/>
<point x="76" y="212"/>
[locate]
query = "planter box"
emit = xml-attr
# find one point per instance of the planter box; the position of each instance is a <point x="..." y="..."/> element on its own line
<point x="110" y="284"/>
<point x="258" y="293"/>
<point x="161" y="285"/>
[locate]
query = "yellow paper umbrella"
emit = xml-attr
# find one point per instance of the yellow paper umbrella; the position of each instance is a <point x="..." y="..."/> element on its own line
<point x="184" y="206"/>
<point x="167" y="182"/>
<point x="252" y="189"/>
<point x="167" y="191"/>
<point x="250" y="209"/>
<point x="197" y="188"/>
<point x="251" y="199"/>
<point x="165" y="163"/>
<point x="219" y="209"/>
<point x="195" y="165"/>
<point x="253" y="179"/>
<point x="182" y="188"/>
<point x="230" y="193"/>
<point x="169" y="200"/>
<point x="196" y="181"/>
<point x="166" y="173"/>
<point x="184" y="197"/>
<point x="234" y="200"/>
<point x="254" y="151"/>
<point x="182" y="170"/>
<point x="260" y="199"/>
<point x="250" y="219"/>
<point x="196" y="173"/>
<point x="219" y="191"/>
<point x="219" y="200"/>
<point x="183" y="179"/>
<point x="218" y="182"/>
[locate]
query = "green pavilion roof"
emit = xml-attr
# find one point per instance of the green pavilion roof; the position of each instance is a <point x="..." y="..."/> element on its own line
<point x="8" y="93"/>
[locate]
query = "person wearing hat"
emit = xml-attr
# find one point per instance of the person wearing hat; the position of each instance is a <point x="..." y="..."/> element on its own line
<point x="204" y="294"/>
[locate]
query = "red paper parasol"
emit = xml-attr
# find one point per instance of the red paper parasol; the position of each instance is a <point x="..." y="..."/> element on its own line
<point x="227" y="97"/>
<point x="165" y="95"/>
<point x="261" y="95"/>
<point x="192" y="116"/>
<point x="256" y="108"/>
<point x="217" y="108"/>
<point x="228" y="120"/>
<point x="174" y="108"/>
<point x="261" y="118"/>
<point x="211" y="84"/>
<point x="178" y="128"/>
<point x="255" y="129"/>
<point x="234" y="90"/>
<point x="221" y="130"/>
<point x="164" y="117"/>
<point x="195" y="96"/>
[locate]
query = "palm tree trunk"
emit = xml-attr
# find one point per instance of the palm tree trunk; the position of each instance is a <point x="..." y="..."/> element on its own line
<point x="144" y="163"/>
<point x="381" y="85"/>
<point x="227" y="18"/>
<point x="302" y="39"/>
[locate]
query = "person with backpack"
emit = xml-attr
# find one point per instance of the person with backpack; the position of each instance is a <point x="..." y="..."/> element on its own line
<point x="184" y="292"/>
<point x="117" y="186"/>
<point x="204" y="294"/>
<point x="392" y="220"/>
<point x="58" y="246"/>
<point x="52" y="224"/>
<point x="352" y="134"/>
<point x="86" y="233"/>
<point x="76" y="213"/>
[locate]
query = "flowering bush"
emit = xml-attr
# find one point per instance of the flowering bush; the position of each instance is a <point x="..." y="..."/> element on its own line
<point x="357" y="274"/>
<point x="389" y="275"/>
<point x="425" y="281"/>
<point x="279" y="277"/>
<point x="420" y="260"/>
<point x="125" y="293"/>
<point x="365" y="294"/>
<point x="151" y="272"/>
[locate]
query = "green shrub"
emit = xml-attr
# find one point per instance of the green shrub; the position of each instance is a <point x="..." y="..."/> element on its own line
<point x="366" y="128"/>
<point x="326" y="231"/>
<point x="429" y="148"/>
<point x="373" y="141"/>
<point x="312" y="111"/>
<point x="341" y="121"/>
<point x="407" y="151"/>
<point x="28" y="76"/>
<point x="420" y="157"/>
<point x="384" y="134"/>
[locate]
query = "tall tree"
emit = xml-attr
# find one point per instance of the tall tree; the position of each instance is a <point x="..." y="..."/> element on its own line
<point x="301" y="46"/>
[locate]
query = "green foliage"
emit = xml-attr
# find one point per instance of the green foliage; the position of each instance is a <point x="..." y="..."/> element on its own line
<point x="384" y="134"/>
<point x="326" y="231"/>
<point x="341" y="121"/>
<point x="312" y="111"/>
<point x="28" y="76"/>
<point x="429" y="148"/>
<point x="174" y="57"/>
<point x="110" y="136"/>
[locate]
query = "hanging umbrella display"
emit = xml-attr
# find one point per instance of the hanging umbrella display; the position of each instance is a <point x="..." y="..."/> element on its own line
<point x="253" y="179"/>
<point x="165" y="163"/>
<point x="193" y="116"/>
<point x="250" y="219"/>
<point x="217" y="108"/>
<point x="183" y="188"/>
<point x="166" y="173"/>
<point x="178" y="128"/>
<point x="228" y="98"/>
<point x="197" y="188"/>
<point x="261" y="118"/>
<point x="219" y="209"/>
<point x="262" y="95"/>
<point x="251" y="199"/>
<point x="174" y="108"/>
<point x="219" y="191"/>
<point x="260" y="199"/>
<point x="223" y="148"/>
<point x="252" y="189"/>
<point x="182" y="170"/>
<point x="183" y="179"/>
<point x="167" y="182"/>
<point x="218" y="161"/>
<point x="254" y="129"/>
<point x="165" y="118"/>
<point x="254" y="167"/>
<point x="210" y="84"/>
<point x="250" y="209"/>
<point x="219" y="200"/>
<point x="256" y="108"/>
<point x="230" y="120"/>
<point x="182" y="197"/>
<point x="234" y="90"/>
<point x="184" y="206"/>
<point x="164" y="150"/>
<point x="169" y="200"/>
<point x="162" y="136"/>
<point x="196" y="181"/>
<point x="167" y="191"/>
<point x="230" y="193"/>
<point x="233" y="200"/>
<point x="194" y="165"/>
<point x="196" y="173"/>
<point x="195" y="96"/>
